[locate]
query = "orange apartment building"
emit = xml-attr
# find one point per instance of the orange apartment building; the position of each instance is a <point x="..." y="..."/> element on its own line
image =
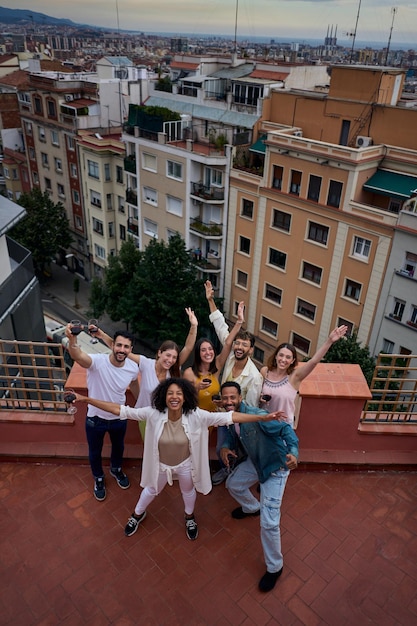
<point x="311" y="229"/>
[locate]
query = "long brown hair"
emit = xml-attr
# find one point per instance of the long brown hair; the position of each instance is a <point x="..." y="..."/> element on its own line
<point x="174" y="370"/>
<point x="271" y="364"/>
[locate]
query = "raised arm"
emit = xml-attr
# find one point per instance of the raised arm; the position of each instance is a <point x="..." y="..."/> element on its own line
<point x="77" y="355"/>
<point x="305" y="369"/>
<point x="111" y="407"/>
<point x="191" y="337"/>
<point x="216" y="317"/>
<point x="221" y="358"/>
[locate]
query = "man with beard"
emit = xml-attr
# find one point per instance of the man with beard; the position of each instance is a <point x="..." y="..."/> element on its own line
<point x="108" y="377"/>
<point x="239" y="368"/>
<point x="265" y="452"/>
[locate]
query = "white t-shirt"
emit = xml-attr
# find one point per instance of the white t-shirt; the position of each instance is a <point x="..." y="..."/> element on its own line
<point x="148" y="381"/>
<point x="108" y="382"/>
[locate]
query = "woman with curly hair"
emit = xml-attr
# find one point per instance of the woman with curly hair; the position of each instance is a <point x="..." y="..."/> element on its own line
<point x="176" y="445"/>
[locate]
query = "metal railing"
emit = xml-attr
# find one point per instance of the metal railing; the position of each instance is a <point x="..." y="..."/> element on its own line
<point x="32" y="376"/>
<point x="394" y="391"/>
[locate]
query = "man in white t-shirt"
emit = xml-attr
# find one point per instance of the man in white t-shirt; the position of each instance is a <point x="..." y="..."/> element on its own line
<point x="238" y="368"/>
<point x="108" y="377"/>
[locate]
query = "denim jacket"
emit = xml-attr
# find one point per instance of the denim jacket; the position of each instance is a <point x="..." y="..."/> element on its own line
<point x="266" y="443"/>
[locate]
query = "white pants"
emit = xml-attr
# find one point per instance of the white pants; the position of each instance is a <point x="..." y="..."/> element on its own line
<point x="166" y="473"/>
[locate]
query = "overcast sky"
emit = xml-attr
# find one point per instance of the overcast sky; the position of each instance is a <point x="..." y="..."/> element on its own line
<point x="296" y="19"/>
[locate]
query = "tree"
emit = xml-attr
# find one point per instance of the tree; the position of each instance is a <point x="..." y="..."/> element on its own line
<point x="118" y="278"/>
<point x="97" y="299"/>
<point x="44" y="230"/>
<point x="349" y="350"/>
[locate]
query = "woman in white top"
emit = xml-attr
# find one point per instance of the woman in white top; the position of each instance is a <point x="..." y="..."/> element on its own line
<point x="176" y="445"/>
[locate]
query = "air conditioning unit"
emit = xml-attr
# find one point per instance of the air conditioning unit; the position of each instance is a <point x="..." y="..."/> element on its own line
<point x="69" y="97"/>
<point x="298" y="133"/>
<point x="363" y="142"/>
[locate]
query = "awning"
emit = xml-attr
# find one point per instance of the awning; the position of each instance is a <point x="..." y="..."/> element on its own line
<point x="259" y="146"/>
<point x="389" y="183"/>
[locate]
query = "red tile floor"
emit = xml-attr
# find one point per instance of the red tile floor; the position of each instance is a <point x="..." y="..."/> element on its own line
<point x="349" y="541"/>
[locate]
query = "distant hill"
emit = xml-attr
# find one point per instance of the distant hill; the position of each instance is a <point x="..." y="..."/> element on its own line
<point x="21" y="16"/>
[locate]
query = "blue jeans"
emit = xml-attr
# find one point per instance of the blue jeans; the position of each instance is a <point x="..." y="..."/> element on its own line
<point x="95" y="429"/>
<point x="272" y="492"/>
<point x="221" y="438"/>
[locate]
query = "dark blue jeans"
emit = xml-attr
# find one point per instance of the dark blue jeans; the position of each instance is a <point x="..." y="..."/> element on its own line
<point x="96" y="428"/>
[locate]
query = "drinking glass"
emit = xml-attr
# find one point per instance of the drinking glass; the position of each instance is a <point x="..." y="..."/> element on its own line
<point x="76" y="327"/>
<point x="93" y="327"/>
<point x="69" y="399"/>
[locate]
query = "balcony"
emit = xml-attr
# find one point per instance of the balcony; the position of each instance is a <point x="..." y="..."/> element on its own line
<point x="132" y="196"/>
<point x="130" y="164"/>
<point x="132" y="226"/>
<point x="208" y="193"/>
<point x="208" y="231"/>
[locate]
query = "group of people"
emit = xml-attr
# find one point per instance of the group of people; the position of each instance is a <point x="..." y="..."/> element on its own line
<point x="253" y="411"/>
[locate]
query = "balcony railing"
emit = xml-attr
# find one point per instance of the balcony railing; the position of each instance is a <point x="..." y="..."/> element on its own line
<point x="132" y="226"/>
<point x="206" y="230"/>
<point x="132" y="196"/>
<point x="207" y="192"/>
<point x="130" y="164"/>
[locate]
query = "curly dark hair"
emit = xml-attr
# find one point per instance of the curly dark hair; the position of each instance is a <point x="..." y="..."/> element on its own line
<point x="159" y="396"/>
<point x="271" y="363"/>
<point x="197" y="357"/>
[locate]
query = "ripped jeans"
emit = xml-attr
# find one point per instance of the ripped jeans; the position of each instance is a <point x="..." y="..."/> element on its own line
<point x="272" y="492"/>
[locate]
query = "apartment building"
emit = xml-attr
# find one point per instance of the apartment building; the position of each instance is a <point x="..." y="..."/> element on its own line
<point x="311" y="231"/>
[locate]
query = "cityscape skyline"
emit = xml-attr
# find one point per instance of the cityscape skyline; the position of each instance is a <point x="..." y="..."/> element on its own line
<point x="374" y="20"/>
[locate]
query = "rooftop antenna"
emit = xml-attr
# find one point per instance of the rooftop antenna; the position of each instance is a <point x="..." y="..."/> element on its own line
<point x="354" y="32"/>
<point x="393" y="11"/>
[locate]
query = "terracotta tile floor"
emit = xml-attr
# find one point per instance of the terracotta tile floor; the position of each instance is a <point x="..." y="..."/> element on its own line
<point x="349" y="540"/>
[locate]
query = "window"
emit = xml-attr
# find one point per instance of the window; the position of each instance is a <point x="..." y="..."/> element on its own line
<point x="98" y="226"/>
<point x="258" y="354"/>
<point x="277" y="258"/>
<point x="306" y="309"/>
<point x="37" y="103"/>
<point x="61" y="190"/>
<point x="149" y="162"/>
<point x="312" y="273"/>
<point x="314" y="186"/>
<point x="15" y="175"/>
<point x="150" y="228"/>
<point x="301" y="343"/>
<point x="278" y="172"/>
<point x="394" y="206"/>
<point x="28" y="128"/>
<point x="281" y="220"/>
<point x="44" y="159"/>
<point x="150" y="195"/>
<point x="120" y="204"/>
<point x="93" y="169"/>
<point x="73" y="170"/>
<point x="174" y="206"/>
<point x="244" y="244"/>
<point x="54" y="138"/>
<point x="111" y="229"/>
<point x="335" y="193"/>
<point x="387" y="346"/>
<point x="273" y="293"/>
<point x="413" y="318"/>
<point x="58" y="165"/>
<point x="410" y="264"/>
<point x="95" y="198"/>
<point x="41" y="134"/>
<point x="247" y="94"/>
<point x="51" y="108"/>
<point x="99" y="252"/>
<point x="242" y="279"/>
<point x="352" y="289"/>
<point x="78" y="223"/>
<point x="398" y="310"/>
<point x="174" y="170"/>
<point x="75" y="196"/>
<point x="122" y="232"/>
<point x="119" y="174"/>
<point x="48" y="184"/>
<point x="342" y="322"/>
<point x="32" y="153"/>
<point x="268" y="326"/>
<point x="318" y="233"/>
<point x="361" y="247"/>
<point x="70" y="143"/>
<point x="213" y="177"/>
<point x="295" y="184"/>
<point x="247" y="208"/>
<point x="35" y="178"/>
<point x="109" y="201"/>
<point x="107" y="173"/>
<point x="6" y="172"/>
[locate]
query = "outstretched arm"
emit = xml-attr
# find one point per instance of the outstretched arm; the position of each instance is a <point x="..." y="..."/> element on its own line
<point x="221" y="358"/>
<point x="77" y="355"/>
<point x="305" y="369"/>
<point x="111" y="407"/>
<point x="191" y="337"/>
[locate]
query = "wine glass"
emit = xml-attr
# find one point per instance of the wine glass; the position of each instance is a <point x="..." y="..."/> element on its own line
<point x="69" y="399"/>
<point x="93" y="329"/>
<point x="76" y="327"/>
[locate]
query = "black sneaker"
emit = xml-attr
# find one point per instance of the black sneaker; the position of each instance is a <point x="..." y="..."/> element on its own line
<point x="122" y="479"/>
<point x="191" y="528"/>
<point x="133" y="523"/>
<point x="99" y="489"/>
